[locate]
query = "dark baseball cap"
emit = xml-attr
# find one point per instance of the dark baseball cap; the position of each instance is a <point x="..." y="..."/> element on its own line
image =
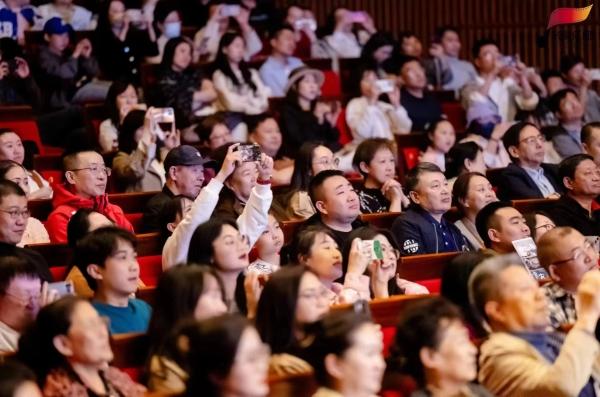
<point x="56" y="25"/>
<point x="185" y="155"/>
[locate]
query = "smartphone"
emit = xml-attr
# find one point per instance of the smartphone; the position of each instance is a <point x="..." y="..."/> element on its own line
<point x="164" y="119"/>
<point x="358" y="16"/>
<point x="230" y="10"/>
<point x="594" y="74"/>
<point x="509" y="60"/>
<point x="373" y="247"/>
<point x="305" y="23"/>
<point x="135" y="15"/>
<point x="62" y="288"/>
<point x="249" y="152"/>
<point x="385" y="86"/>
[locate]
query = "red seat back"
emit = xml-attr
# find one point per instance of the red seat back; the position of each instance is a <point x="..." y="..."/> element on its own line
<point x="136" y="220"/>
<point x="332" y="86"/>
<point x="411" y="156"/>
<point x="150" y="269"/>
<point x="456" y="115"/>
<point x="27" y="130"/>
<point x="433" y="285"/>
<point x="342" y="126"/>
<point x="59" y="273"/>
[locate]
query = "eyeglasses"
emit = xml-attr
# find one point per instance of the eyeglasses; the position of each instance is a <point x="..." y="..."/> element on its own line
<point x="24" y="298"/>
<point x="547" y="227"/>
<point x="328" y="162"/>
<point x="322" y="293"/>
<point x="14" y="214"/>
<point x="578" y="253"/>
<point x="533" y="139"/>
<point x="95" y="169"/>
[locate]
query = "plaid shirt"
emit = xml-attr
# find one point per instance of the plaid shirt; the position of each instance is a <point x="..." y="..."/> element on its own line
<point x="561" y="305"/>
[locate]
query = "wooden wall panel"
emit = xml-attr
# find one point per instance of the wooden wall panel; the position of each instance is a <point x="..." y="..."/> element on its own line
<point x="516" y="24"/>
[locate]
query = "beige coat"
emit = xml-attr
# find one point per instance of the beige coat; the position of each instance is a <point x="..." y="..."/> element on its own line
<point x="139" y="171"/>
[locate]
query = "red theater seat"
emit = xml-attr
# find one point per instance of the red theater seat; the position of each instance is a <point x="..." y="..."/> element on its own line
<point x="150" y="269"/>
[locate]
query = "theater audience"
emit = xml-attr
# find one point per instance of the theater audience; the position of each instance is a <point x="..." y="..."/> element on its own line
<point x="78" y="17"/>
<point x="184" y="87"/>
<point x="590" y="140"/>
<point x="107" y="259"/>
<point x="569" y="111"/>
<point x="345" y="349"/>
<point x="183" y="292"/>
<point x="303" y="117"/>
<point x="539" y="224"/>
<point x="463" y="158"/>
<point x="304" y="23"/>
<point x="35" y="232"/>
<point x="462" y="71"/>
<point x="184" y="168"/>
<point x="68" y="348"/>
<point x="520" y="357"/>
<point x="13" y="223"/>
<point x="350" y="30"/>
<point x="16" y="380"/>
<point x="381" y="192"/>
<point x="379" y="55"/>
<point x="471" y="192"/>
<point x="275" y="71"/>
<point x="527" y="177"/>
<point x="499" y="224"/>
<point x="166" y="23"/>
<point x="422" y="228"/>
<point x="484" y="127"/>
<point x="226" y="355"/>
<point x="422" y="106"/>
<point x="432" y="345"/>
<point x="122" y="97"/>
<point x="566" y="255"/>
<point x="436" y="67"/>
<point x="22" y="294"/>
<point x="441" y="137"/>
<point x="581" y="179"/>
<point x="86" y="179"/>
<point x="578" y="77"/>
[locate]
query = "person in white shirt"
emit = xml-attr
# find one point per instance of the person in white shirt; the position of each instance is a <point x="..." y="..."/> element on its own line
<point x="78" y="17"/>
<point x="503" y="81"/>
<point x="343" y="41"/>
<point x="206" y="40"/>
<point x="167" y="24"/>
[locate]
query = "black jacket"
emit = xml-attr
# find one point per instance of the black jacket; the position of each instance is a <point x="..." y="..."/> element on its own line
<point x="568" y="212"/>
<point x="418" y="233"/>
<point x="150" y="221"/>
<point x="514" y="183"/>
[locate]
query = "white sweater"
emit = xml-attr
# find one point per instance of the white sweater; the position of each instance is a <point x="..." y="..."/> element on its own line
<point x="380" y="120"/>
<point x="252" y="222"/>
<point x="242" y="99"/>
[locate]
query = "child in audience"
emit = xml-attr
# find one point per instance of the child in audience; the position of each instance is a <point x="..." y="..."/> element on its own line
<point x="211" y="132"/>
<point x="345" y="349"/>
<point x="78" y="17"/>
<point x="183" y="292"/>
<point x="107" y="259"/>
<point x="441" y="138"/>
<point x="185" y="88"/>
<point x="16" y="380"/>
<point x="11" y="148"/>
<point x="121" y="98"/>
<point x="35" y="232"/>
<point x="268" y="247"/>
<point x="293" y="297"/>
<point x="375" y="160"/>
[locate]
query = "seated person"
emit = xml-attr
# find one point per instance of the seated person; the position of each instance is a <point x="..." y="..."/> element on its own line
<point x="520" y="358"/>
<point x="76" y="354"/>
<point x="376" y="162"/>
<point x="303" y="21"/>
<point x="139" y="164"/>
<point x="107" y="259"/>
<point x="35" y="232"/>
<point x="343" y="42"/>
<point x="437" y="70"/>
<point x="569" y="111"/>
<point x="120" y="99"/>
<point x="68" y="76"/>
<point x="440" y="137"/>
<point x="11" y="148"/>
<point x="422" y="229"/>
<point x="590" y="140"/>
<point x="471" y="192"/>
<point x="275" y="71"/>
<point x="429" y="337"/>
<point x="499" y="224"/>
<point x="369" y="117"/>
<point x="539" y="223"/>
<point x="268" y="248"/>
<point x="264" y="131"/>
<point x="312" y="158"/>
<point x="86" y="179"/>
<point x="337" y="205"/>
<point x="527" y="177"/>
<point x="462" y="71"/>
<point x="422" y="106"/>
<point x="17" y="86"/>
<point x="18" y="380"/>
<point x="577" y="77"/>
<point x="78" y="17"/>
<point x="13" y="221"/>
<point x="345" y="349"/>
<point x="21" y="297"/>
<point x="463" y="158"/>
<point x="240" y="183"/>
<point x="566" y="255"/>
<point x="184" y="167"/>
<point x="166" y="21"/>
<point x="581" y="179"/>
<point x="211" y="133"/>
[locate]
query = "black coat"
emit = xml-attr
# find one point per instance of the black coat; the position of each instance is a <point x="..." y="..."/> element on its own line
<point x="515" y="184"/>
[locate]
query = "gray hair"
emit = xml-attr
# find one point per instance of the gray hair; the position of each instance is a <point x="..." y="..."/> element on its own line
<point x="484" y="285"/>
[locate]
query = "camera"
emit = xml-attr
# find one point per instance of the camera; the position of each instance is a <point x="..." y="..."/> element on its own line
<point x="249" y="152"/>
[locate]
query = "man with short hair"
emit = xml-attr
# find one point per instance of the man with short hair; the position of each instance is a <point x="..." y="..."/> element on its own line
<point x="86" y="178"/>
<point x="580" y="176"/>
<point x="569" y="111"/>
<point x="13" y="221"/>
<point x="422" y="228"/>
<point x="566" y="255"/>
<point x="499" y="224"/>
<point x="527" y="177"/>
<point x="184" y="170"/>
<point x="590" y="140"/>
<point x="462" y="71"/>
<point x="278" y="66"/>
<point x="337" y="204"/>
<point x="577" y="77"/>
<point x="520" y="358"/>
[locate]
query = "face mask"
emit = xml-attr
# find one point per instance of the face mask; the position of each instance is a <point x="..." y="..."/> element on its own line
<point x="172" y="30"/>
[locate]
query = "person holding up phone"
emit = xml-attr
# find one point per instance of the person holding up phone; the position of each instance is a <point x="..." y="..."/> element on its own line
<point x="343" y="41"/>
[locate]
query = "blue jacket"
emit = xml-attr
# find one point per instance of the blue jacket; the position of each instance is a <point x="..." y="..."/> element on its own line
<point x="417" y="232"/>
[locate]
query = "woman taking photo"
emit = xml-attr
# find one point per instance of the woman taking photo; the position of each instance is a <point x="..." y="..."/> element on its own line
<point x="121" y="98"/>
